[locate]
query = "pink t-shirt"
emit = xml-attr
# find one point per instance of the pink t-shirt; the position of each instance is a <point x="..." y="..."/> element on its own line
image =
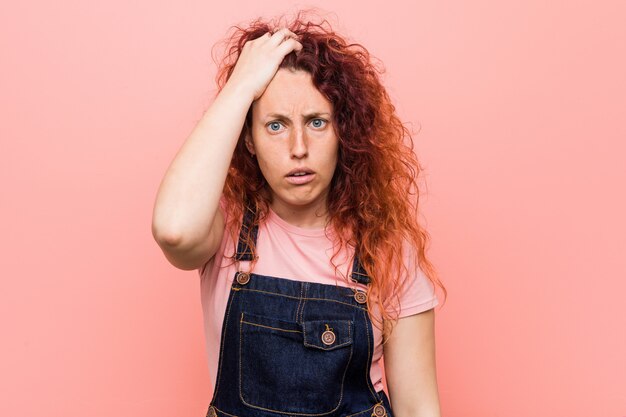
<point x="296" y="253"/>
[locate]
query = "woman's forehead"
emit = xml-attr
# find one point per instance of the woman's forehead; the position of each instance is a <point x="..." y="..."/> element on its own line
<point x="291" y="94"/>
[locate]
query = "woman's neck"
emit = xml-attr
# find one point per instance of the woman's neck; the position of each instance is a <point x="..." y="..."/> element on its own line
<point x="314" y="216"/>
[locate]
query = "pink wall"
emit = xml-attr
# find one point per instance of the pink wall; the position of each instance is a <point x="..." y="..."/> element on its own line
<point x="521" y="107"/>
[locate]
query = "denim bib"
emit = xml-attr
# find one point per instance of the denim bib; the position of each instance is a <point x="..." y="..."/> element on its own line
<point x="294" y="349"/>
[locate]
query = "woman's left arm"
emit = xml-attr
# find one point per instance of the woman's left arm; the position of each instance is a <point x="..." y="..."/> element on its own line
<point x="410" y="368"/>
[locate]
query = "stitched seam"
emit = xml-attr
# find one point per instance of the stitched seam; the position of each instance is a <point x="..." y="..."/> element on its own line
<point x="269" y="292"/>
<point x="270" y="327"/>
<point x="345" y="371"/>
<point x="306" y="285"/>
<point x="240" y="353"/>
<point x="361" y="412"/>
<point x="299" y="302"/>
<point x="304" y="298"/>
<point x="278" y="411"/>
<point x="336" y="301"/>
<point x="299" y="414"/>
<point x="284" y="412"/>
<point x="223" y="412"/>
<point x="217" y="384"/>
<point x="333" y="347"/>
<point x="369" y="361"/>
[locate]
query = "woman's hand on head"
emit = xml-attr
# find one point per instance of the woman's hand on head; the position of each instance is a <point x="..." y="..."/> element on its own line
<point x="259" y="60"/>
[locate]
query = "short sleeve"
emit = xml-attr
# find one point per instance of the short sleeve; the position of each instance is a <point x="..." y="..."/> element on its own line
<point x="419" y="293"/>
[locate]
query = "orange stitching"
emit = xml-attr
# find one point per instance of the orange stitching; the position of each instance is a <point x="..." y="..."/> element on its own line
<point x="306" y="288"/>
<point x="299" y="302"/>
<point x="349" y="341"/>
<point x="361" y="412"/>
<point x="345" y="371"/>
<point x="269" y="292"/>
<point x="270" y="327"/>
<point x="305" y="298"/>
<point x="369" y="361"/>
<point x="240" y="347"/>
<point x="219" y="372"/>
<point x="291" y="413"/>
<point x="223" y="412"/>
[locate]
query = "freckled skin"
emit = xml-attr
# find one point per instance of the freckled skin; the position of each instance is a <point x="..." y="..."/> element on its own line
<point x="281" y="145"/>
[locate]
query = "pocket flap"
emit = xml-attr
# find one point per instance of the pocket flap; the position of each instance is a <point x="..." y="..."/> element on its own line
<point x="327" y="334"/>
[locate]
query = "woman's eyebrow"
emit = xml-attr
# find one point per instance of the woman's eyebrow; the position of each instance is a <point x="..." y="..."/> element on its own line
<point x="304" y="116"/>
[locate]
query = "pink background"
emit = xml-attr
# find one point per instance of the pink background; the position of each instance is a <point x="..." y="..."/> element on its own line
<point x="521" y="107"/>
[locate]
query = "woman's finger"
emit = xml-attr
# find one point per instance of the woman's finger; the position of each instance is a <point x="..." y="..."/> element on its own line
<point x="288" y="46"/>
<point x="280" y="35"/>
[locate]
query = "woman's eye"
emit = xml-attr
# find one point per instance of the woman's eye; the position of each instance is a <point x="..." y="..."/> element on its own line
<point x="322" y="121"/>
<point x="274" y="124"/>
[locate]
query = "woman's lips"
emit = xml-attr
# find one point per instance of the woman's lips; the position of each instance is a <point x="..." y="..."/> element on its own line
<point x="300" y="179"/>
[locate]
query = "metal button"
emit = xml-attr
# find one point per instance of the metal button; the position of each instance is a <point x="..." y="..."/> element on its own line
<point x="243" y="277"/>
<point x="379" y="411"/>
<point x="211" y="412"/>
<point x="328" y="337"/>
<point x="360" y="297"/>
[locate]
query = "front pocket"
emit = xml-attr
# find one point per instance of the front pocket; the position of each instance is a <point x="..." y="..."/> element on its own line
<point x="291" y="368"/>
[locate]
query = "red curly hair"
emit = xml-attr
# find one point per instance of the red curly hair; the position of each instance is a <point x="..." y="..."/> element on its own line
<point x="370" y="202"/>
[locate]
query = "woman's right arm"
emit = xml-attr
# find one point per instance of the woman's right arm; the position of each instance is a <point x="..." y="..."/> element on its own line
<point x="186" y="222"/>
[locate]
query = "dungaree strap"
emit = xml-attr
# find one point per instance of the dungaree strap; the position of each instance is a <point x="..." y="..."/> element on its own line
<point x="243" y="249"/>
<point x="358" y="273"/>
<point x="244" y="252"/>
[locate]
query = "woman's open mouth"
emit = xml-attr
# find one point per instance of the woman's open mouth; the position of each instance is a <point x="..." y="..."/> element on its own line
<point x="300" y="178"/>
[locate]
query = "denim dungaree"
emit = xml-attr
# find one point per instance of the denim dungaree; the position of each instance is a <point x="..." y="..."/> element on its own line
<point x="294" y="349"/>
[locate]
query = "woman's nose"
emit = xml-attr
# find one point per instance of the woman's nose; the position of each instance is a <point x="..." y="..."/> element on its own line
<point x="298" y="144"/>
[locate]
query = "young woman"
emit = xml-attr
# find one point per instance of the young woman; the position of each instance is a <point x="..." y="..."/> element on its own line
<point x="293" y="199"/>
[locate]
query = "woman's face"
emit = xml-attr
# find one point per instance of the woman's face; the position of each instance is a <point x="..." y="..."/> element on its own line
<point x="292" y="131"/>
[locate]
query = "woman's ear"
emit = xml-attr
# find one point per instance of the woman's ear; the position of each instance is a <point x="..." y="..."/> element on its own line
<point x="249" y="144"/>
